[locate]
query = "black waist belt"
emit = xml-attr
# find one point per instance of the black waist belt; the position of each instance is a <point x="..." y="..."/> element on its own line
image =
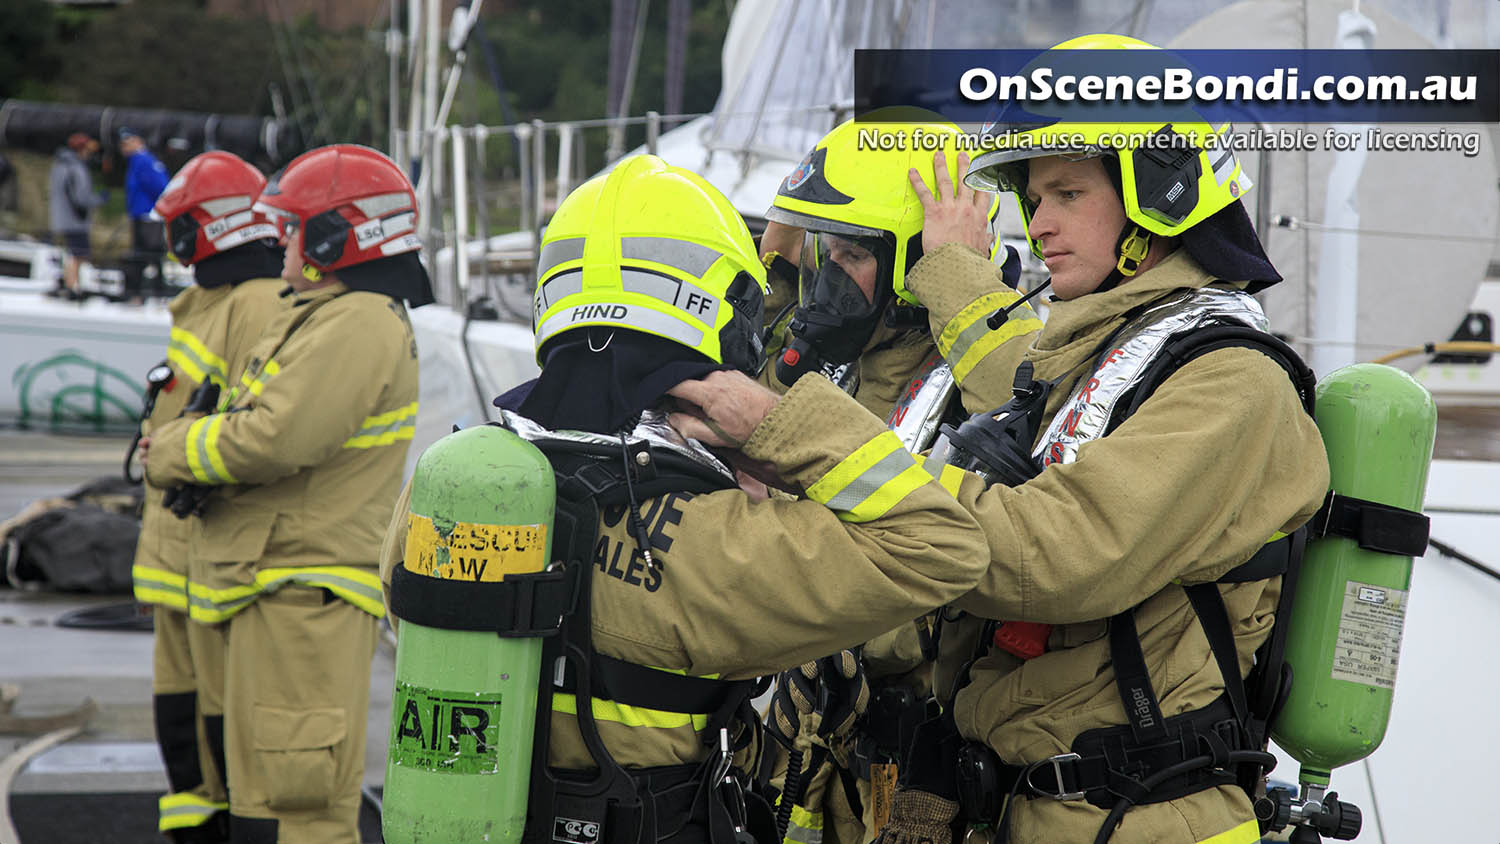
<point x="636" y="685"/>
<point x="1105" y="765"/>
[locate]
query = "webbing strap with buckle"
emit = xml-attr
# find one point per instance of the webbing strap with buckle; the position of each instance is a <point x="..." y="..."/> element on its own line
<point x="1105" y="764"/>
<point x="1375" y="526"/>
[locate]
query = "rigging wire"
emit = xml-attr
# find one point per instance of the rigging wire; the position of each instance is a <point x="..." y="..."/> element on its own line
<point x="319" y="112"/>
<point x="1287" y="221"/>
<point x="298" y="110"/>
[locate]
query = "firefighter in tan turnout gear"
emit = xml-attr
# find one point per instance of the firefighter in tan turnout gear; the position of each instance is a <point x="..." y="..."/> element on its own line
<point x="1147" y="529"/>
<point x="236" y="263"/>
<point x="649" y="301"/>
<point x="302" y="461"/>
<point x="864" y="238"/>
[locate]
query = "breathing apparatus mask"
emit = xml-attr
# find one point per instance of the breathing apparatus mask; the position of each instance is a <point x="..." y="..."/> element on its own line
<point x="835" y="317"/>
<point x="996" y="445"/>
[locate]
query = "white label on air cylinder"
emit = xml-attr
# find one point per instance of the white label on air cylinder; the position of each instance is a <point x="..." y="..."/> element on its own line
<point x="1369" y="640"/>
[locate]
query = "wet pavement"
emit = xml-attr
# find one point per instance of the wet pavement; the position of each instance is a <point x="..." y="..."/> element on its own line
<point x="114" y="763"/>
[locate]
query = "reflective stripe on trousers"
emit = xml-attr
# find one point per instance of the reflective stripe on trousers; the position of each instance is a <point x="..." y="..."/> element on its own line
<point x="185" y="809"/>
<point x="360" y="587"/>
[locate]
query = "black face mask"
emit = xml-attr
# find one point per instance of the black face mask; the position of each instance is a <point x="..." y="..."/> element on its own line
<point x="834" y="319"/>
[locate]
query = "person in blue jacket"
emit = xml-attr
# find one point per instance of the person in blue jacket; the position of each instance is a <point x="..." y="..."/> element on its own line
<point x="145" y="179"/>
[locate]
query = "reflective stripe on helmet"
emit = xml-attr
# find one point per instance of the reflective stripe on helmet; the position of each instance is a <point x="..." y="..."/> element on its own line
<point x="242" y="236"/>
<point x="691" y="258"/>
<point x="655" y="319"/>
<point x="688" y="302"/>
<point x="558" y="252"/>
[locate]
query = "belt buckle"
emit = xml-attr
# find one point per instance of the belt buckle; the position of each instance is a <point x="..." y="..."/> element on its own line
<point x="1056" y="762"/>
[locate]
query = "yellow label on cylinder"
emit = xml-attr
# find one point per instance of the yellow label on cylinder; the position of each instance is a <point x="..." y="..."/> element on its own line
<point x="474" y="551"/>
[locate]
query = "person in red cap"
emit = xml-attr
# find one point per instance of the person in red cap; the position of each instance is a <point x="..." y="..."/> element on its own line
<point x="73" y="200"/>
<point x="205" y="214"/>
<point x="302" y="461"/>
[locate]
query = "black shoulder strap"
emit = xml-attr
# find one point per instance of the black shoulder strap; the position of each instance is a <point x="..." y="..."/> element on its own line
<point x="591" y="476"/>
<point x="1280" y="557"/>
<point x="1200" y="341"/>
<point x="606" y="799"/>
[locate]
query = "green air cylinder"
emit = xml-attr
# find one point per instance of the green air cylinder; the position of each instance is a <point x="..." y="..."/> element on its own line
<point x="464" y="709"/>
<point x="1344" y="641"/>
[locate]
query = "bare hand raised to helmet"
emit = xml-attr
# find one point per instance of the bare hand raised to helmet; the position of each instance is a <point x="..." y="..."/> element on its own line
<point x="957" y="213"/>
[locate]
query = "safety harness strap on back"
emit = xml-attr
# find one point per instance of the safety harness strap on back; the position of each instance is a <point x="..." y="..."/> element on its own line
<point x="615" y="805"/>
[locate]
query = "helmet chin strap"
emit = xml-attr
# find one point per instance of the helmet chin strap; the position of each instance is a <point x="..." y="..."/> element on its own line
<point x="1132" y="247"/>
<point x="311" y="273"/>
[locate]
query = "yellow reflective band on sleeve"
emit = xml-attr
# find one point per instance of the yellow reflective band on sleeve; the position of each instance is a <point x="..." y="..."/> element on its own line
<point x="865" y="485"/>
<point x="1275" y="536"/>
<point x="358" y="586"/>
<point x="193" y="357"/>
<point x="967" y="338"/>
<point x="159" y="586"/>
<point x="383" y="429"/>
<point x="1246" y="833"/>
<point x="948" y="477"/>
<point x="631" y="716"/>
<point x="258" y="383"/>
<point x="184" y="810"/>
<point x="804" y="827"/>
<point x="203" y="456"/>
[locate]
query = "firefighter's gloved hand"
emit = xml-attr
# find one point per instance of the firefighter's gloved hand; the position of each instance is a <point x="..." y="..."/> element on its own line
<point x="843" y="675"/>
<point x="795" y="698"/>
<point x="833" y="687"/>
<point x="919" y="817"/>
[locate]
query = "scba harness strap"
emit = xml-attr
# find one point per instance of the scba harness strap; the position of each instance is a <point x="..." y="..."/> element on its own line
<point x="1153" y="758"/>
<point x="693" y="802"/>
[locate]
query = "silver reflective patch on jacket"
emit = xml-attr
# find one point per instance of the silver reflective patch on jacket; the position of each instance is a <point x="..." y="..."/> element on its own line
<point x="919" y="410"/>
<point x="1087" y="411"/>
<point x="653" y="428"/>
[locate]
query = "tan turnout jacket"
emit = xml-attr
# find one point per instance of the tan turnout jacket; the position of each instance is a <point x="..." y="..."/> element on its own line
<point x="748" y="588"/>
<point x="212" y="332"/>
<point x="965" y="289"/>
<point x="1219" y="458"/>
<point x="308" y="449"/>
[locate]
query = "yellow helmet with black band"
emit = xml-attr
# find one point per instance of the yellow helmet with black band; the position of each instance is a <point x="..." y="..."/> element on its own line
<point x="653" y="248"/>
<point x="854" y="184"/>
<point x="1172" y="175"/>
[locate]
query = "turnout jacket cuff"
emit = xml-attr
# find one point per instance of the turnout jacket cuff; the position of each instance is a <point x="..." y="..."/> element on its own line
<point x="811" y="430"/>
<point x="961" y="289"/>
<point x="950" y="277"/>
<point x="167" y="460"/>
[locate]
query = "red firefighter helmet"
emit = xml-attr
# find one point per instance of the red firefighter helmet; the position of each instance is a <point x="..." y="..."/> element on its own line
<point x="207" y="207"/>
<point x="352" y="204"/>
